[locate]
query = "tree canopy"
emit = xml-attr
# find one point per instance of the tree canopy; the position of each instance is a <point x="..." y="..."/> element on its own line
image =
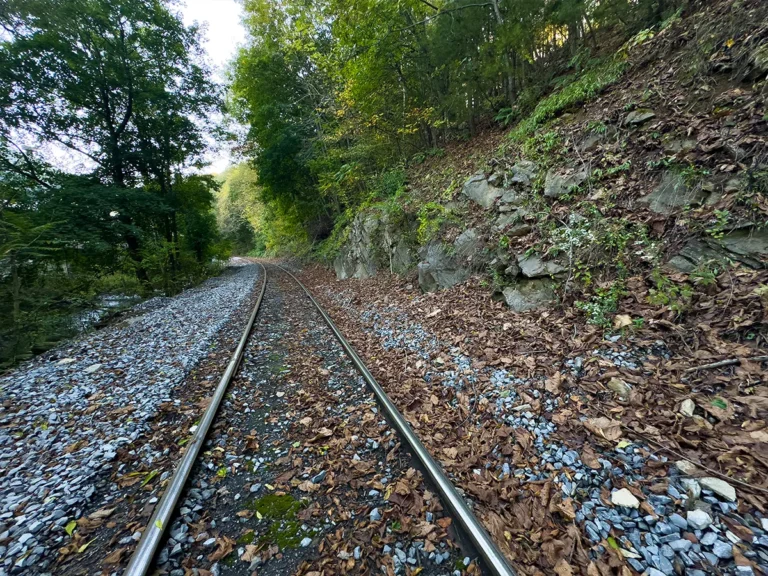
<point x="119" y="91"/>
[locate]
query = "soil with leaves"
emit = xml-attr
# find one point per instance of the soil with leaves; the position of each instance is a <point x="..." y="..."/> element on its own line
<point x="637" y="449"/>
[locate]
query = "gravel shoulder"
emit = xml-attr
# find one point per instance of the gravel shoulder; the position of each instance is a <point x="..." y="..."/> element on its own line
<point x="301" y="474"/>
<point x="561" y="477"/>
<point x="90" y="431"/>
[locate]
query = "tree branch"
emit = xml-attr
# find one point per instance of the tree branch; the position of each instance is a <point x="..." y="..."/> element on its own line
<point x="427" y="19"/>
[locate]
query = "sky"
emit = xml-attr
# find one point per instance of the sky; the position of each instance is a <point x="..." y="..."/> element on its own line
<point x="223" y="34"/>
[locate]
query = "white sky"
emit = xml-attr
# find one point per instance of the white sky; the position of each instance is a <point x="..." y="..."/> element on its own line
<point x="223" y="34"/>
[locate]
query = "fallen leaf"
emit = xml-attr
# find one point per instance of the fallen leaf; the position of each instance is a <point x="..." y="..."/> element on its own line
<point x="84" y="546"/>
<point x="621" y="321"/>
<point x="225" y="546"/>
<point x="115" y="557"/>
<point x="308" y="486"/>
<point x="604" y="428"/>
<point x="562" y="568"/>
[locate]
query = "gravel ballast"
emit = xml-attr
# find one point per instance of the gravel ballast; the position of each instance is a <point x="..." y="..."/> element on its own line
<point x="67" y="415"/>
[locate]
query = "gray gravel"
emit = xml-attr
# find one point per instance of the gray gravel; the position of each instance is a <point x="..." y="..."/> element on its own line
<point x="64" y="416"/>
<point x="685" y="535"/>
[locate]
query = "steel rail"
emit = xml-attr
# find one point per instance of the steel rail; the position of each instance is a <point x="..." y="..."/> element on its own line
<point x="153" y="534"/>
<point x="489" y="552"/>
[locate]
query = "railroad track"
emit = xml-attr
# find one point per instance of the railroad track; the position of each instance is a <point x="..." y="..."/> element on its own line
<point x="470" y="531"/>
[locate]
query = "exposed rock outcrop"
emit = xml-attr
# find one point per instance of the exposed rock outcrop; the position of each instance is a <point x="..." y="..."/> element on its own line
<point x="562" y="181"/>
<point x="478" y="189"/>
<point x="439" y="268"/>
<point x="673" y="193"/>
<point x="747" y="245"/>
<point x="375" y="241"/>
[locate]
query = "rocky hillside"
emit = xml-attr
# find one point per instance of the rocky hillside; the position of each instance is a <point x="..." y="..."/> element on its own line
<point x="654" y="164"/>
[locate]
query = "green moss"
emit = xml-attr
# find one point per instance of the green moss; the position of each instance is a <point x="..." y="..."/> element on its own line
<point x="578" y="89"/>
<point x="285" y="534"/>
<point x="247" y="538"/>
<point x="285" y="530"/>
<point x="276" y="507"/>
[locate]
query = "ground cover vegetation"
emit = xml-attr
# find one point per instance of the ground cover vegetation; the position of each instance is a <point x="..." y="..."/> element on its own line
<point x="104" y="109"/>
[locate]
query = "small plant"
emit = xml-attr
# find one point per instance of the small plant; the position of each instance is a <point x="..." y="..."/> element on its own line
<point x="706" y="273"/>
<point x="432" y="216"/>
<point x="677" y="297"/>
<point x="597" y="127"/>
<point x="603" y="305"/>
<point x="543" y="147"/>
<point x="506" y="116"/>
<point x="717" y="230"/>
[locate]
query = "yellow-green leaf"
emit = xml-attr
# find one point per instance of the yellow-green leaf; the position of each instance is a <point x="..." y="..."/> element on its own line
<point x="269" y="486"/>
<point x="149" y="477"/>
<point x="159" y="524"/>
<point x="84" y="546"/>
<point x="258" y="515"/>
<point x="623" y="444"/>
<point x="70" y="527"/>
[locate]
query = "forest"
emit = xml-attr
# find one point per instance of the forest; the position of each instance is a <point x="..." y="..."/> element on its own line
<point x="340" y="96"/>
<point x="108" y="108"/>
<point x="105" y="108"/>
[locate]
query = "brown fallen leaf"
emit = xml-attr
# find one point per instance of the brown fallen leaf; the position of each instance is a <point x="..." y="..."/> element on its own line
<point x="562" y="568"/>
<point x="250" y="553"/>
<point x="308" y="486"/>
<point x="225" y="546"/>
<point x="451" y="453"/>
<point x="115" y="557"/>
<point x="100" y="514"/>
<point x="604" y="428"/>
<point x="589" y="457"/>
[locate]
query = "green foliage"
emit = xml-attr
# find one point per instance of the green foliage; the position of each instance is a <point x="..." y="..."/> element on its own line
<point x="603" y="304"/>
<point x="432" y="216"/>
<point x="543" y="147"/>
<point x="720" y="224"/>
<point x="120" y="85"/>
<point x="673" y="295"/>
<point x="579" y="89"/>
<point x="336" y="93"/>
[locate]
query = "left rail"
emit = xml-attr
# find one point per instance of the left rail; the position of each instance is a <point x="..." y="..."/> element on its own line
<point x="142" y="558"/>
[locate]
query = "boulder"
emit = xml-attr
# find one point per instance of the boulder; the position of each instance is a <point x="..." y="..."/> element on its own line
<point x="439" y="269"/>
<point x="678" y="145"/>
<point x="747" y="245"/>
<point x="468" y="244"/>
<point x="534" y="267"/>
<point x="511" y="199"/>
<point x="639" y="116"/>
<point x="478" y="189"/>
<point x="523" y="172"/>
<point x="560" y="182"/>
<point x="528" y="295"/>
<point x="673" y="193"/>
